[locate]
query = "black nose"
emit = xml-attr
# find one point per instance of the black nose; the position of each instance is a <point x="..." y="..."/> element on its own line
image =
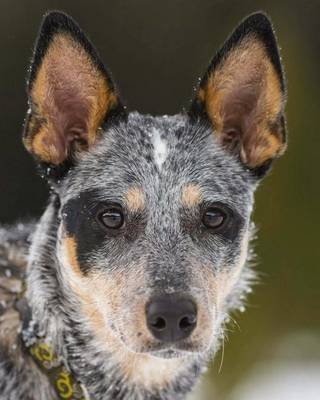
<point x="171" y="317"/>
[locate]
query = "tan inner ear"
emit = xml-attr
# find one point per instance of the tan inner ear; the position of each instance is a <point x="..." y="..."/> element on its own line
<point x="67" y="84"/>
<point x="247" y="71"/>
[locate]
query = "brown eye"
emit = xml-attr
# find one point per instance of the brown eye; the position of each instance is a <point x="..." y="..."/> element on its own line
<point x="112" y="218"/>
<point x="213" y="218"/>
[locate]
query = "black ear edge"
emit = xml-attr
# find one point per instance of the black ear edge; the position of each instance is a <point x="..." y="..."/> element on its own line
<point x="260" y="25"/>
<point x="59" y="22"/>
<point x="55" y="22"/>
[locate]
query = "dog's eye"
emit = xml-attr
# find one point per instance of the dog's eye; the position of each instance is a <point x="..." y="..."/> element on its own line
<point x="214" y="218"/>
<point x="111" y="218"/>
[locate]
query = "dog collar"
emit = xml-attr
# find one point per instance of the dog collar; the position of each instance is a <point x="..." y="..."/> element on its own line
<point x="53" y="366"/>
<point x="64" y="383"/>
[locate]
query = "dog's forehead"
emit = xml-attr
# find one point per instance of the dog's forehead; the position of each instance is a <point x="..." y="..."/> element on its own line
<point x="161" y="156"/>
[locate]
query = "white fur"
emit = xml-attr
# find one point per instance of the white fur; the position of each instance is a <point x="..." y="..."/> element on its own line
<point x="160" y="148"/>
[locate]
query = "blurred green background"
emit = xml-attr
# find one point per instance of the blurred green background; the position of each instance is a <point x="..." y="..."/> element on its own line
<point x="156" y="51"/>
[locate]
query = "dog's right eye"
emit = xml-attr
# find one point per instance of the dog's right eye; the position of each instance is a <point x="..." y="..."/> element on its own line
<point x="111" y="218"/>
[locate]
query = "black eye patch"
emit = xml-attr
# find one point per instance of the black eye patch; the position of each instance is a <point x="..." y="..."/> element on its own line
<point x="96" y="224"/>
<point x="78" y="216"/>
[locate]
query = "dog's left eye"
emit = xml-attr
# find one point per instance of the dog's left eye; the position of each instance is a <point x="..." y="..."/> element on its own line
<point x="214" y="218"/>
<point x="111" y="218"/>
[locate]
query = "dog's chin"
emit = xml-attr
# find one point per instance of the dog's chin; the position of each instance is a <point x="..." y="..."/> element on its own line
<point x="168" y="351"/>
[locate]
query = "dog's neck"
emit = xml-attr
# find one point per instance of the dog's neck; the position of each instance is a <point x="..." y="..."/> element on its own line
<point x="107" y="370"/>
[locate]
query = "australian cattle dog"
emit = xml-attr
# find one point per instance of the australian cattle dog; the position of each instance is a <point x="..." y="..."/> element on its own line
<point x="122" y="289"/>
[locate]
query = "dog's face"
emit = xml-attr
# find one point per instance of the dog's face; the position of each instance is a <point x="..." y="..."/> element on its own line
<point x="157" y="208"/>
<point x="155" y="212"/>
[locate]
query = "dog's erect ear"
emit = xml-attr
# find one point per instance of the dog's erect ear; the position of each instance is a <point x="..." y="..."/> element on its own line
<point x="243" y="94"/>
<point x="71" y="94"/>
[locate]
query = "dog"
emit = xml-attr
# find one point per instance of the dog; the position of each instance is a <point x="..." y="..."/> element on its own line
<point x="123" y="287"/>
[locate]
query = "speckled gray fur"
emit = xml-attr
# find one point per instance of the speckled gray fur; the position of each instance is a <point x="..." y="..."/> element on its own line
<point x="163" y="248"/>
<point x="112" y="167"/>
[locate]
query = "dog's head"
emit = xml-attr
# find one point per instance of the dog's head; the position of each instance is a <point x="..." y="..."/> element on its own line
<point x="155" y="211"/>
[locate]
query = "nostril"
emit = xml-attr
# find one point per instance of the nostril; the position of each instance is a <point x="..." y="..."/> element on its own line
<point x="187" y="322"/>
<point x="159" y="324"/>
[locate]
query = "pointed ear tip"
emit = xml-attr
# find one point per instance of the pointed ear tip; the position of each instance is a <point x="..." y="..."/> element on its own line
<point x="259" y="23"/>
<point x="53" y="22"/>
<point x="57" y="20"/>
<point x="258" y="18"/>
<point x="55" y="16"/>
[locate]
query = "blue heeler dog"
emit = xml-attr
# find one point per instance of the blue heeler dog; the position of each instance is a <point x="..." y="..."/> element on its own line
<point x="122" y="289"/>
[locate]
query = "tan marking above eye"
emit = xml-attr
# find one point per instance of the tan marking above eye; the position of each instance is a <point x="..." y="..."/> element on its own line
<point x="191" y="195"/>
<point x="135" y="199"/>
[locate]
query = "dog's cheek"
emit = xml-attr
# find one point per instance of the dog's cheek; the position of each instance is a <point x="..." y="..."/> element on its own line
<point x="134" y="295"/>
<point x="216" y="288"/>
<point x="228" y="279"/>
<point x="202" y="289"/>
<point x="87" y="289"/>
<point x="109" y="300"/>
